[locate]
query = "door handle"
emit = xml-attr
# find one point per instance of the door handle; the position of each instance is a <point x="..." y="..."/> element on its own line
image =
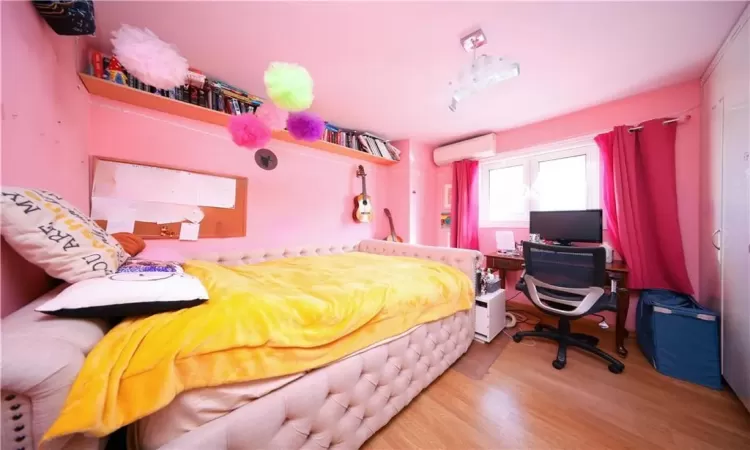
<point x="713" y="242"/>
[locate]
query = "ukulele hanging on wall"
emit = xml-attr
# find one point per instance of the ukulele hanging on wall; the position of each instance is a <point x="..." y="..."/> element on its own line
<point x="362" y="202"/>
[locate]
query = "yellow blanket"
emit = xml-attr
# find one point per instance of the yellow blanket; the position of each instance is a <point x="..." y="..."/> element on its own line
<point x="262" y="320"/>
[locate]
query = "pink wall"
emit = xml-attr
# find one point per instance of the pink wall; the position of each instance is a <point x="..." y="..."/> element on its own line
<point x="425" y="214"/>
<point x="670" y="101"/>
<point x="44" y="129"/>
<point x="411" y="184"/>
<point x="307" y="199"/>
<point x="398" y="192"/>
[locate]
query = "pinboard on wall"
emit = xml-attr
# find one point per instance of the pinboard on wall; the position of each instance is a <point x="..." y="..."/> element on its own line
<point x="166" y="202"/>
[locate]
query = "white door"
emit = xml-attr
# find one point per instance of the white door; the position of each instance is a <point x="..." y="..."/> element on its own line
<point x="735" y="249"/>
<point x="710" y="265"/>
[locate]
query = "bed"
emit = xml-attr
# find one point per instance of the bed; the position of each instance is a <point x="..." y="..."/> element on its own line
<point x="336" y="406"/>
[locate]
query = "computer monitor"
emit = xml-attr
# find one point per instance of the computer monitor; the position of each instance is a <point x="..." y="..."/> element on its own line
<point x="567" y="226"/>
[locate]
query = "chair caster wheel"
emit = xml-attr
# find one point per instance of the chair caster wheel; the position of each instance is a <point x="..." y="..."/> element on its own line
<point x="517" y="338"/>
<point x="538" y="327"/>
<point x="557" y="364"/>
<point x="616" y="368"/>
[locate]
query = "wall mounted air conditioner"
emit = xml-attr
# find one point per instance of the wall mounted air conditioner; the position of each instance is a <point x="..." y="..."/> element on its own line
<point x="474" y="148"/>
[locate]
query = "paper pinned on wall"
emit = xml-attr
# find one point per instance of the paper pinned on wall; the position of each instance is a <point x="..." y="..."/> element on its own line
<point x="154" y="184"/>
<point x="120" y="226"/>
<point x="189" y="231"/>
<point x="196" y="215"/>
<point x="103" y="208"/>
<point x="215" y="191"/>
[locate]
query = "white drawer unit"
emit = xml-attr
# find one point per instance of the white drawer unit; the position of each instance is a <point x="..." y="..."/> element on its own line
<point x="490" y="315"/>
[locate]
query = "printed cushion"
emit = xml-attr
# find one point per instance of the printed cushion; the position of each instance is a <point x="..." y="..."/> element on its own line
<point x="127" y="295"/>
<point x="54" y="235"/>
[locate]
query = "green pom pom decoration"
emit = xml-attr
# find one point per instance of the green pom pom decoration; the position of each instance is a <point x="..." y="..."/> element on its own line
<point x="289" y="86"/>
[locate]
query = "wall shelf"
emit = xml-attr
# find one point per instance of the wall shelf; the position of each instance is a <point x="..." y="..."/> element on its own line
<point x="126" y="94"/>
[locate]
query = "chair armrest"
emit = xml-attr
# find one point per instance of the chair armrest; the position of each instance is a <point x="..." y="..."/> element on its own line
<point x="464" y="260"/>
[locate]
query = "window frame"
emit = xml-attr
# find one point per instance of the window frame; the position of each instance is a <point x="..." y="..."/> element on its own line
<point x="530" y="159"/>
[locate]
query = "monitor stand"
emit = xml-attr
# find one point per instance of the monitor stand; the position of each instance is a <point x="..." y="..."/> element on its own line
<point x="564" y="243"/>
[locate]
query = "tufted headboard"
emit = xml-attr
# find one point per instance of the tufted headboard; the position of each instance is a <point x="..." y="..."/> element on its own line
<point x="256" y="256"/>
<point x="466" y="261"/>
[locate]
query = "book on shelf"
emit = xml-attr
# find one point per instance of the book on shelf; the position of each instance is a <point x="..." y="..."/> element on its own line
<point x="360" y="141"/>
<point x="383" y="150"/>
<point x="396" y="153"/>
<point x="364" y="144"/>
<point x="217" y="95"/>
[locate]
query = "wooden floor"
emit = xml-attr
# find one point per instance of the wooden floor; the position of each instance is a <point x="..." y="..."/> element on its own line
<point x="524" y="403"/>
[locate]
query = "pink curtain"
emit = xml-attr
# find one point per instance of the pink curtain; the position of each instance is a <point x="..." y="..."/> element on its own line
<point x="640" y="197"/>
<point x="606" y="142"/>
<point x="465" y="205"/>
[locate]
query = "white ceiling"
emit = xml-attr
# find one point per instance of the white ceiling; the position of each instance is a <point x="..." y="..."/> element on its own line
<point x="385" y="67"/>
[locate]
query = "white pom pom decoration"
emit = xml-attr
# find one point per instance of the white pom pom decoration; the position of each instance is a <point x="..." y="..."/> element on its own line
<point x="152" y="60"/>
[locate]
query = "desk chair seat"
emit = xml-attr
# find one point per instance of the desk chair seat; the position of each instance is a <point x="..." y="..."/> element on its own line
<point x="566" y="282"/>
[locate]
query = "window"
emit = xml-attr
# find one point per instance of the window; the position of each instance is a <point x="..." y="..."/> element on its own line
<point x="556" y="178"/>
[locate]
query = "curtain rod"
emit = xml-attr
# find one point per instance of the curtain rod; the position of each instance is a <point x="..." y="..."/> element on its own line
<point x="666" y="122"/>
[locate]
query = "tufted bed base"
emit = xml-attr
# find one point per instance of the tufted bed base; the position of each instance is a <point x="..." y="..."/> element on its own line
<point x="338" y="406"/>
<point x="341" y="405"/>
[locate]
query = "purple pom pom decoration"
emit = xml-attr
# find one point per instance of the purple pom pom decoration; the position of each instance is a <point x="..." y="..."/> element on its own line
<point x="249" y="131"/>
<point x="305" y="126"/>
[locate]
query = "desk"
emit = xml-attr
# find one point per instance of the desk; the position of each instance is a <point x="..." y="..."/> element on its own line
<point x="617" y="281"/>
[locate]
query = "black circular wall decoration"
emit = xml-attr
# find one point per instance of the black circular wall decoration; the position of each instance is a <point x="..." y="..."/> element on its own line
<point x="266" y="159"/>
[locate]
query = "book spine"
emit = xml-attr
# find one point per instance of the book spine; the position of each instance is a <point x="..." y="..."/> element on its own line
<point x="394" y="151"/>
<point x="220" y="105"/>
<point x="193" y="93"/>
<point x="373" y="146"/>
<point x="383" y="149"/>
<point x="365" y="146"/>
<point x="202" y="97"/>
<point x="95" y="63"/>
<point x="105" y="66"/>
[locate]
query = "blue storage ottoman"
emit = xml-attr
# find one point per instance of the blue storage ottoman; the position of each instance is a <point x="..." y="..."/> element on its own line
<point x="679" y="337"/>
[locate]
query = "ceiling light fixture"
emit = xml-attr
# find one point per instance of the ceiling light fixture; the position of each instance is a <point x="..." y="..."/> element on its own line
<point x="484" y="71"/>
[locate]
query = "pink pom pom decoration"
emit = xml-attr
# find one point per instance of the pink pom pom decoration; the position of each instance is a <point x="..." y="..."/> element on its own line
<point x="152" y="60"/>
<point x="274" y="117"/>
<point x="248" y="131"/>
<point x="305" y="126"/>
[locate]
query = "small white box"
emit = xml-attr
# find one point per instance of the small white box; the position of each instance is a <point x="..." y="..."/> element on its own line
<point x="489" y="315"/>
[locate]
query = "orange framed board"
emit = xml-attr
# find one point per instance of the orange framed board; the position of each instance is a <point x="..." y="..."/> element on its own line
<point x="163" y="202"/>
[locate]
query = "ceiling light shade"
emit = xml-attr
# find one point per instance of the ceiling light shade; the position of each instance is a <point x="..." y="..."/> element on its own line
<point x="484" y="72"/>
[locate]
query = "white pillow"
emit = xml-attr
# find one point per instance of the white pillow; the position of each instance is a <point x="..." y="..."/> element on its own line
<point x="127" y="294"/>
<point x="54" y="235"/>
